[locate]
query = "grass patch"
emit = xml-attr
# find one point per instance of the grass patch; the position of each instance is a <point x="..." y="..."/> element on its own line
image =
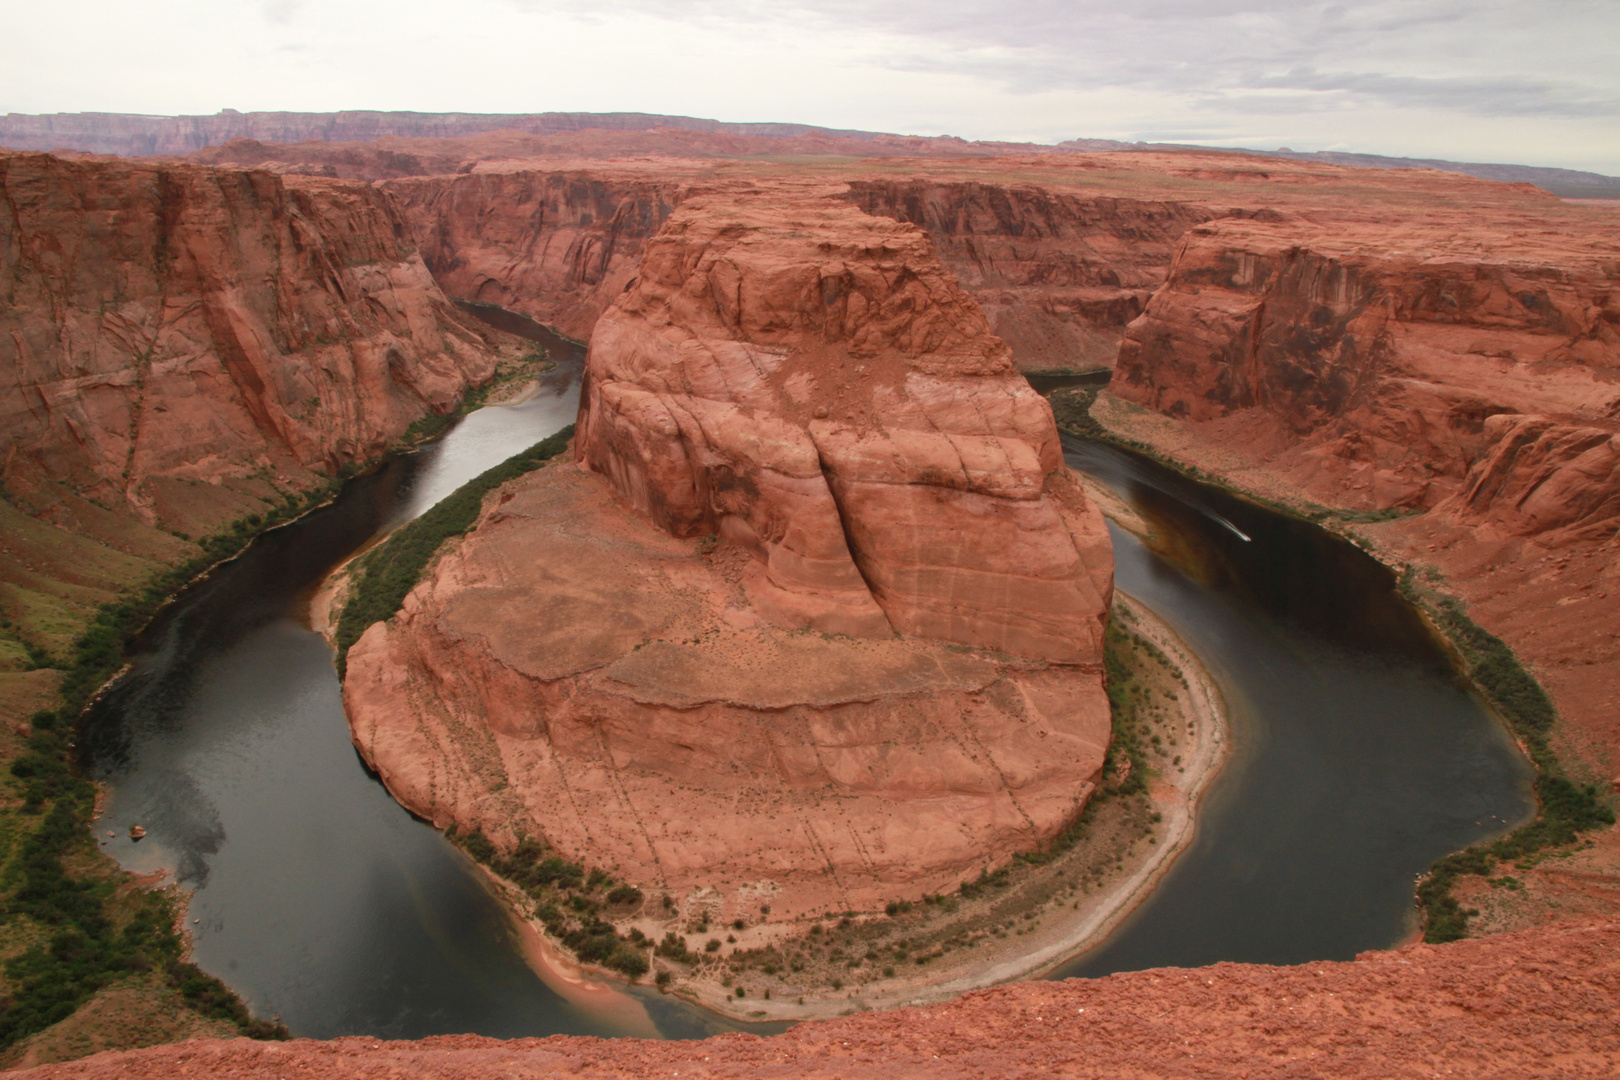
<point x="389" y="571"/>
<point x="82" y="941"/>
<point x="569" y="901"/>
<point x="1565" y="809"/>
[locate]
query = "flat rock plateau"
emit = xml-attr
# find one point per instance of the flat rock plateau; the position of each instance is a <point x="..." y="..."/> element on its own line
<point x="1427" y="362"/>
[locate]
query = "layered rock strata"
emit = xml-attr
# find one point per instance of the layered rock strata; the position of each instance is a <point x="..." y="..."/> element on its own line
<point x="820" y="629"/>
<point x="556" y="246"/>
<point x="1059" y="274"/>
<point x="1463" y="375"/>
<point x="1365" y="363"/>
<point x="168" y="326"/>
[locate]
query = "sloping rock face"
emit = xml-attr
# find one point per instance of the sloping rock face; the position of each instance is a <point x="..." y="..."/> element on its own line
<point x="1059" y="275"/>
<point x="685" y="664"/>
<point x="1368" y="361"/>
<point x="556" y="246"/>
<point x="168" y="326"/>
<point x="1539" y="477"/>
<point x="841" y="410"/>
<point x="1536" y="1004"/>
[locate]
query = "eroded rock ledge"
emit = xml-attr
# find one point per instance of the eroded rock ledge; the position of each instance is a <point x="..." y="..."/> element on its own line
<point x="822" y="629"/>
<point x="1537" y="1004"/>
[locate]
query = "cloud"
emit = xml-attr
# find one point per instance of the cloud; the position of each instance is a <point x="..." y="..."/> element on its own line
<point x="1480" y="57"/>
<point x="281" y="12"/>
<point x="1500" y="80"/>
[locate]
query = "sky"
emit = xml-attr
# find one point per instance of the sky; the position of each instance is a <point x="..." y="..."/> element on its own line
<point x="1469" y="80"/>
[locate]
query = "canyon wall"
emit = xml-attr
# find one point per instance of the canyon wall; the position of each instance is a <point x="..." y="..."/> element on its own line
<point x="1458" y="371"/>
<point x="1364" y="362"/>
<point x="822" y="625"/>
<point x="556" y="246"/>
<point x="1059" y="275"/>
<point x="169" y="327"/>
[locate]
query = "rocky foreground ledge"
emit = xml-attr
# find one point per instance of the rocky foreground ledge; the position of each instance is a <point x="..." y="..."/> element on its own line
<point x="1540" y="1003"/>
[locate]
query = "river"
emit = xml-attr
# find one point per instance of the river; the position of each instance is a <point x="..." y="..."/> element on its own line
<point x="1359" y="759"/>
<point x="314" y="895"/>
<point x="1359" y="755"/>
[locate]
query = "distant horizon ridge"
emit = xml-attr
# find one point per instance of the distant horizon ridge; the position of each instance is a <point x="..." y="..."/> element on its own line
<point x="155" y="134"/>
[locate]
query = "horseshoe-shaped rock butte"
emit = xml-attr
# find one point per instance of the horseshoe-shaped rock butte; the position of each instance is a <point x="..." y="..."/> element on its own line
<point x="814" y="617"/>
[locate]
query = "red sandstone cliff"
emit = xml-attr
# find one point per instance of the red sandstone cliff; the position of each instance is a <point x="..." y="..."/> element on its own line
<point x="845" y="414"/>
<point x="163" y="327"/>
<point x="1058" y="274"/>
<point x="1462" y="362"/>
<point x="1363" y="358"/>
<point x="556" y="246"/>
<point x="734" y="719"/>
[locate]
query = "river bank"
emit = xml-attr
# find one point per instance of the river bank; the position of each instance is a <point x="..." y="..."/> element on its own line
<point x="1452" y="574"/>
<point x="1014" y="924"/>
<point x="1018" y="924"/>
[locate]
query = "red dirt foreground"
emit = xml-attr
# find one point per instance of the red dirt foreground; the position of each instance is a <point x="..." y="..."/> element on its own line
<point x="1539" y="1003"/>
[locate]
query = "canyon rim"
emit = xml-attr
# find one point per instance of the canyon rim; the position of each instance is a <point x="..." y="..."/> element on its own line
<point x="771" y="673"/>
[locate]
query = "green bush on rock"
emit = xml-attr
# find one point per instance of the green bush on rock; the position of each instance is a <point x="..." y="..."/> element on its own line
<point x="391" y="570"/>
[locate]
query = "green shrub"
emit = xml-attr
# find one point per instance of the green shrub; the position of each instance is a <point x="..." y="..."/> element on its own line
<point x="391" y="570"/>
<point x="1565" y="809"/>
<point x="624" y="894"/>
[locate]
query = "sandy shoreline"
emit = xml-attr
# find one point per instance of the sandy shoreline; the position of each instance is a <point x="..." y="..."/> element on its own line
<point x="1061" y="938"/>
<point x="1054" y="941"/>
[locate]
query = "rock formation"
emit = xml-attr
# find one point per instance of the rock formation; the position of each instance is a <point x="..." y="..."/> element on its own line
<point x="1365" y="360"/>
<point x="165" y="327"/>
<point x="1459" y="367"/>
<point x="822" y="628"/>
<point x="1538" y="477"/>
<point x="556" y="246"/>
<point x="1059" y="274"/>
<point x="1537" y="1004"/>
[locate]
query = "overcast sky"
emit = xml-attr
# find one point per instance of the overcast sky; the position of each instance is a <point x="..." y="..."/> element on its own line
<point x="1475" y="80"/>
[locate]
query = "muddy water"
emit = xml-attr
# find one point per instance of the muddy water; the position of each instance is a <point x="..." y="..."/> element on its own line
<point x="1359" y="757"/>
<point x="316" y="896"/>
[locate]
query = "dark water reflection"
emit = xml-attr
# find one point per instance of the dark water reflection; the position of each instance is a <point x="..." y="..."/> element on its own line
<point x="1359" y="756"/>
<point x="1045" y="384"/>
